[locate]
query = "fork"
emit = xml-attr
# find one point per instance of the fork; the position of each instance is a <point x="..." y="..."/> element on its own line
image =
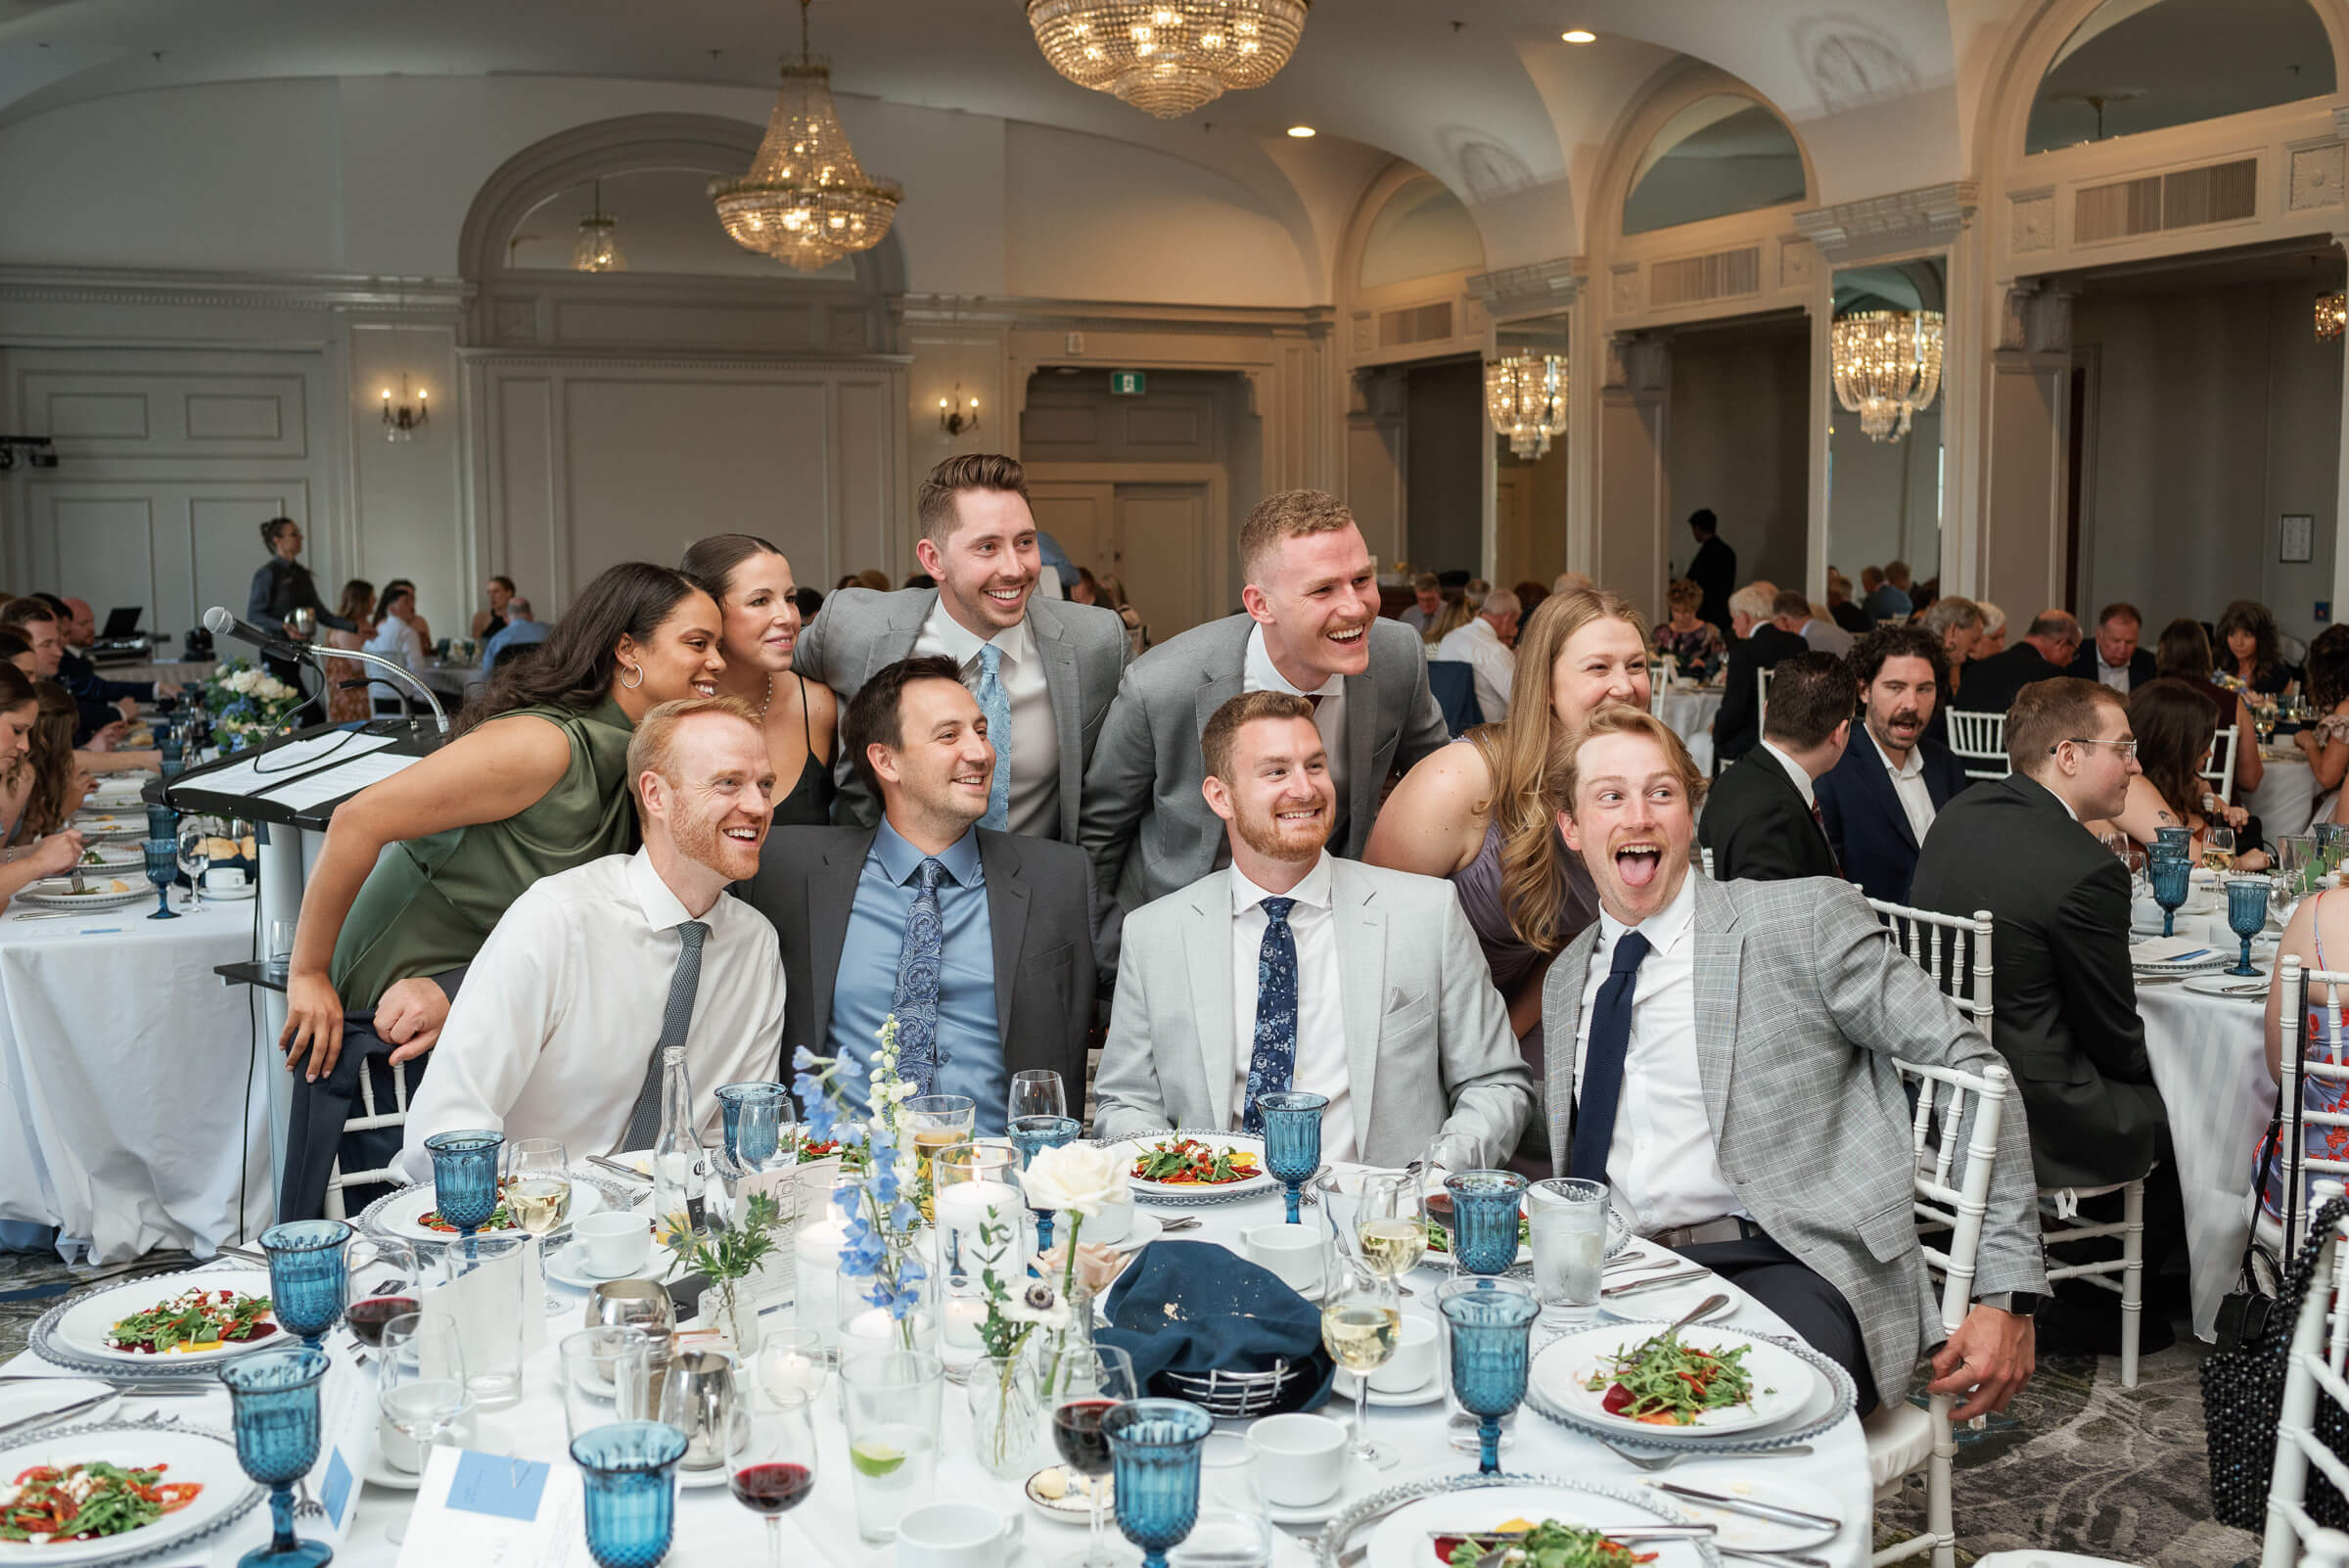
<point x="306" y="1506"/>
<point x="1664" y="1461"/>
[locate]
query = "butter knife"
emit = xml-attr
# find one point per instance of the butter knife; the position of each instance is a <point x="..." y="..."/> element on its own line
<point x="615" y="1166"/>
<point x="1777" y="1513"/>
<point x="1660" y="1282"/>
<point x="61" y="1413"/>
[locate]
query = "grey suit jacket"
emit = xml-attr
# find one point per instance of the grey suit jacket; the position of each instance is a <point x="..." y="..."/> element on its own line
<point x="1428" y="1047"/>
<point x="1037" y="923"/>
<point x="1083" y="647"/>
<point x="1803" y="1004"/>
<point x="1147" y="828"/>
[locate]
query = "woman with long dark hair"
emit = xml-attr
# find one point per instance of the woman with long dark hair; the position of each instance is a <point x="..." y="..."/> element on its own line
<point x="758" y="604"/>
<point x="60" y="851"/>
<point x="416" y="870"/>
<point x="2183" y="653"/>
<point x="44" y="787"/>
<point x="2326" y="742"/>
<point x="2248" y="640"/>
<point x="343" y="705"/>
<point x="2173" y="725"/>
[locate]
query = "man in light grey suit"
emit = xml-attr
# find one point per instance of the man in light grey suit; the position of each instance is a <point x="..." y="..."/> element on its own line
<point x="1311" y="628"/>
<point x="1790" y="611"/>
<point x="1043" y="670"/>
<point x="1294" y="970"/>
<point x="1723" y="1055"/>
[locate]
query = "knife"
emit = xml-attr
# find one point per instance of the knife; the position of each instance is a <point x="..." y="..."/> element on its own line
<point x="629" y="1171"/>
<point x="1775" y="1512"/>
<point x="1663" y="1532"/>
<point x="44" y="1417"/>
<point x="1661" y="1281"/>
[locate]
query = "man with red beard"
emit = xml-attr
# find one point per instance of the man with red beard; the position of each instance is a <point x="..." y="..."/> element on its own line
<point x="559" y="1030"/>
<point x="1294" y="970"/>
<point x="1880" y="800"/>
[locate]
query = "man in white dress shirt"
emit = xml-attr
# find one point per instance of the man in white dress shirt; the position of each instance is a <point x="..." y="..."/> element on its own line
<point x="557" y="1032"/>
<point x="1484" y="644"/>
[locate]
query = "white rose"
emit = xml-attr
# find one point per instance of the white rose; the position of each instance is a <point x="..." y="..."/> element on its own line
<point x="1075" y="1179"/>
<point x="275" y="689"/>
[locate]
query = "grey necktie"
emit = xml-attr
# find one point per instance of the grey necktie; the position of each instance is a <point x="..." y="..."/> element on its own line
<point x="644" y="1122"/>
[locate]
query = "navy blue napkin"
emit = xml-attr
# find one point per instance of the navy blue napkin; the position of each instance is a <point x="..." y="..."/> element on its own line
<point x="1194" y="1307"/>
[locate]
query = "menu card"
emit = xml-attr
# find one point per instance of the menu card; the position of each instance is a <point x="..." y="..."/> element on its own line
<point x="347" y="1422"/>
<point x="475" y="1507"/>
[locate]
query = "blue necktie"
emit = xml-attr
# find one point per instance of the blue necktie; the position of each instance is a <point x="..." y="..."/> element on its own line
<point x="1602" y="1063"/>
<point x="995" y="705"/>
<point x="1275" y="1056"/>
<point x="915" y="998"/>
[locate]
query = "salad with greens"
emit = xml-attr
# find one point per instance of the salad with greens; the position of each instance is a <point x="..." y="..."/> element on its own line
<point x="87" y="1501"/>
<point x="1547" y="1544"/>
<point x="1666" y="1383"/>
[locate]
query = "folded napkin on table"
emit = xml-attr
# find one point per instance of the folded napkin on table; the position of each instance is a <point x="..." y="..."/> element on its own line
<point x="2170" y="949"/>
<point x="1196" y="1307"/>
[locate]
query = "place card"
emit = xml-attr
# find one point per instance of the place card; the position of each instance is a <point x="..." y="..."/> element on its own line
<point x="475" y="1507"/>
<point x="347" y="1422"/>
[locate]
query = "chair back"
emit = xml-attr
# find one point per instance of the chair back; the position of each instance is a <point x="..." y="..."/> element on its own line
<point x="2312" y="1372"/>
<point x="370" y="1117"/>
<point x="2295" y="986"/>
<point x="1953" y="1144"/>
<point x="1979" y="741"/>
<point x="1707" y="855"/>
<point x="1762" y="699"/>
<point x="2221" y="771"/>
<point x="1454" y="683"/>
<point x="1954" y="949"/>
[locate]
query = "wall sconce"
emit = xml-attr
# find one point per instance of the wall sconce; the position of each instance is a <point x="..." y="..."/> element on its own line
<point x="402" y="420"/>
<point x="957" y="415"/>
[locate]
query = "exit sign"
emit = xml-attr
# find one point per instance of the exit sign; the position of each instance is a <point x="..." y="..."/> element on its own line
<point x="1127" y="383"/>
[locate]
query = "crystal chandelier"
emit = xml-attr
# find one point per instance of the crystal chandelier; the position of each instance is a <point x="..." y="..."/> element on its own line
<point x="1167" y="57"/>
<point x="1525" y="397"/>
<point x="2332" y="313"/>
<point x="805" y="199"/>
<point x="1887" y="366"/>
<point x="597" y="248"/>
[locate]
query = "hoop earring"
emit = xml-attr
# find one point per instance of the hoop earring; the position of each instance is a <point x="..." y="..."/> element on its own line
<point x="627" y="672"/>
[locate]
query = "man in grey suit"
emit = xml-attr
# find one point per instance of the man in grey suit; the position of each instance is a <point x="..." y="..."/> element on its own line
<point x="1043" y="670"/>
<point x="979" y="942"/>
<point x="1790" y="611"/>
<point x="1294" y="970"/>
<point x="1311" y="628"/>
<point x="1722" y="1056"/>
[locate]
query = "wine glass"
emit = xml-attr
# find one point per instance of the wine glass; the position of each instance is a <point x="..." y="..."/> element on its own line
<point x="1088" y="1386"/>
<point x="2218" y="846"/>
<point x="770" y="1464"/>
<point x="1361" y="1321"/>
<point x="195" y="835"/>
<point x="1389" y="1228"/>
<point x="421" y="1386"/>
<point x="1036" y="1093"/>
<point x="387" y="1287"/>
<point x="1292" y="1138"/>
<point x="538" y="1184"/>
<point x="2172" y="876"/>
<point x="274" y="1403"/>
<point x="162" y="869"/>
<point x="2246" y="914"/>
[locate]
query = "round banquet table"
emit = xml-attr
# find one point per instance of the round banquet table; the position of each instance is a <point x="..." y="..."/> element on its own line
<point x="715" y="1532"/>
<point x="2286" y="798"/>
<point x="1691" y="715"/>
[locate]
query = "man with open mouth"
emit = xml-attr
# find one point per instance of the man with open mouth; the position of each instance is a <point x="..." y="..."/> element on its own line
<point x="1880" y="800"/>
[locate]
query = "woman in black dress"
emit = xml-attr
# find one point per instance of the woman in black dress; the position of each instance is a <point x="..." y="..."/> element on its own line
<point x="756" y="594"/>
<point x="282" y="587"/>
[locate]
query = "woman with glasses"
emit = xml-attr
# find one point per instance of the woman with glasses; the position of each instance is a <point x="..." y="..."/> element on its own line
<point x="2173" y="725"/>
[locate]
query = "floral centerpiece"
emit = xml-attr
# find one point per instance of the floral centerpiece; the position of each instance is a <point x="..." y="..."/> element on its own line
<point x="247" y="703"/>
<point x="883" y="1222"/>
<point x="1080" y="1180"/>
<point x="738" y="1253"/>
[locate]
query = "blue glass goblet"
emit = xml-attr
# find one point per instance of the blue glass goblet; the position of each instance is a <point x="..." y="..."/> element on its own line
<point x="274" y="1407"/>
<point x="1029" y="1136"/>
<point x="2175" y="838"/>
<point x="1154" y="1463"/>
<point x="162" y="869"/>
<point x="163" y="822"/>
<point x="2246" y="914"/>
<point x="1484" y="1219"/>
<point x="308" y="1275"/>
<point x="1492" y="1330"/>
<point x="2172" y="876"/>
<point x="1292" y="1138"/>
<point x="755" y="1115"/>
<point x="630" y="1472"/>
<point x="172" y="767"/>
<point x="465" y="1180"/>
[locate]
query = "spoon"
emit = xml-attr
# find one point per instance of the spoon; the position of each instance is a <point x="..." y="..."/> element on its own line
<point x="1716" y="1299"/>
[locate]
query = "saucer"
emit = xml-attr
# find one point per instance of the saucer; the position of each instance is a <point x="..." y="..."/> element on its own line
<point x="568" y="1266"/>
<point x="1074" y="1506"/>
<point x="1361" y="1478"/>
<point x="1432" y="1389"/>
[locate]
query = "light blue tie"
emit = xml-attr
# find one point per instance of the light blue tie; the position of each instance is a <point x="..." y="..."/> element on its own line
<point x="914" y="1002"/>
<point x="995" y="705"/>
<point x="1273" y="1061"/>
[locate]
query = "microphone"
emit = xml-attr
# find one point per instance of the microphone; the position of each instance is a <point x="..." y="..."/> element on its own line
<point x="220" y="624"/>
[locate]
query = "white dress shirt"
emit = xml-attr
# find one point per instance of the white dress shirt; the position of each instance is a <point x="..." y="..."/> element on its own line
<point x="2116" y="677"/>
<point x="1478" y="645"/>
<point x="1909" y="785"/>
<point x="552" y="1031"/>
<point x="1258" y="672"/>
<point x="1321" y="1062"/>
<point x="395" y="640"/>
<point x="1033" y="753"/>
<point x="1664" y="1167"/>
<point x="1795" y="771"/>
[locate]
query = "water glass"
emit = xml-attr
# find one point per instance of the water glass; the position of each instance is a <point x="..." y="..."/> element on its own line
<point x="278" y="957"/>
<point x="2172" y="876"/>
<point x="1154" y="1456"/>
<point x="465" y="1166"/>
<point x="196" y="836"/>
<point x="308" y="1277"/>
<point x="162" y="869"/>
<point x="493" y="1269"/>
<point x="2295" y="876"/>
<point x="758" y="1131"/>
<point x="629" y="1470"/>
<point x="163" y="822"/>
<point x="2181" y="838"/>
<point x="2246" y="914"/>
<point x="2332" y="845"/>
<point x="1490" y="1324"/>
<point x="1031" y="1134"/>
<point x="597" y="1367"/>
<point x="1036" y="1092"/>
<point x="1484" y="1219"/>
<point x="420" y="1382"/>
<point x="891" y="1401"/>
<point x="1292" y="1138"/>
<point x="273" y="1399"/>
<point x="537" y="1184"/>
<point x="1568" y="1219"/>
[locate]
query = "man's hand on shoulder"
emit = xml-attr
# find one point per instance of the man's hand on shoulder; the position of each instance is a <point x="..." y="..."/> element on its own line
<point x="1986" y="1363"/>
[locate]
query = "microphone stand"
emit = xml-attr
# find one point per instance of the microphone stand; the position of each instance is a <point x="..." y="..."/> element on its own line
<point x="432" y="698"/>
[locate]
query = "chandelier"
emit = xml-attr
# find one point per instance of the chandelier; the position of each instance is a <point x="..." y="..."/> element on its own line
<point x="2333" y="314"/>
<point x="1167" y="57"/>
<point x="1525" y="397"/>
<point x="1887" y="366"/>
<point x="805" y="199"/>
<point x="597" y="248"/>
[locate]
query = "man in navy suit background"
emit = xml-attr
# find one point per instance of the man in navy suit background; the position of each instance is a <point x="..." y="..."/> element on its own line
<point x="2114" y="658"/>
<point x="1880" y="800"/>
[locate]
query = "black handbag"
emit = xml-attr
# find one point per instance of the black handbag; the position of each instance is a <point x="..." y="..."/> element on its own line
<point x="2242" y="1393"/>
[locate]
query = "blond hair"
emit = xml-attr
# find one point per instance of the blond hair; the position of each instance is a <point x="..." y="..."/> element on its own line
<point x="651" y="748"/>
<point x="1288" y="515"/>
<point x="1566" y="765"/>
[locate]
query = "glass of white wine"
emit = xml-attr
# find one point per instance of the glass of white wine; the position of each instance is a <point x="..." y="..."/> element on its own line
<point x="1361" y="1321"/>
<point x="1390" y="1226"/>
<point x="2218" y="847"/>
<point x="537" y="1184"/>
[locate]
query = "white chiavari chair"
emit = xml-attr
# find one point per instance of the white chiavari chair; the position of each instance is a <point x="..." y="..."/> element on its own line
<point x="1761" y="698"/>
<point x="1979" y="741"/>
<point x="2294" y="1164"/>
<point x="2312" y="1373"/>
<point x="2219" y="774"/>
<point x="369" y="1118"/>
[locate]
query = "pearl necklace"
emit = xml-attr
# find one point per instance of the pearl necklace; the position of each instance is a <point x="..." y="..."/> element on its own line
<point x="769" y="698"/>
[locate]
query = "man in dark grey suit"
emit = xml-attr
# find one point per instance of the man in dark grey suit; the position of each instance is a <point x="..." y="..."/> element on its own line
<point x="1312" y="627"/>
<point x="1044" y="669"/>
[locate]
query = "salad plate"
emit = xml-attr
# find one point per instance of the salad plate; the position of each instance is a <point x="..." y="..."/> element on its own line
<point x="407" y="1214"/>
<point x="1600" y="1373"/>
<point x="165" y="1309"/>
<point x="175" y="1456"/>
<point x="100" y="892"/>
<point x="1188" y="1166"/>
<point x="108" y="825"/>
<point x="1409" y="1526"/>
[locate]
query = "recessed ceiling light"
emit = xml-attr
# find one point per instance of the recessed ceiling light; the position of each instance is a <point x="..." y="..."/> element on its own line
<point x="1301" y="131"/>
<point x="1579" y="35"/>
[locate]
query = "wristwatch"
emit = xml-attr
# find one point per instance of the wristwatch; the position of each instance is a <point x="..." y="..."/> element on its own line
<point x="2021" y="1303"/>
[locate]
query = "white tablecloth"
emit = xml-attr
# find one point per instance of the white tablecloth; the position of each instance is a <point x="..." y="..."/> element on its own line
<point x="2286" y="797"/>
<point x="2211" y="1066"/>
<point x="1690" y="715"/>
<point x="128" y="1067"/>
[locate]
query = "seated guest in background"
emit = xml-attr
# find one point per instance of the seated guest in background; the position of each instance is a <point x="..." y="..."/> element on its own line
<point x="1113" y="597"/>
<point x="1847" y="615"/>
<point x="416" y="870"/>
<point x="423" y="628"/>
<point x="523" y="629"/>
<point x="1043" y="670"/>
<point x="2183" y="653"/>
<point x="1572" y="582"/>
<point x="45" y="785"/>
<point x="1427" y="603"/>
<point x="281" y="587"/>
<point x="1761" y="820"/>
<point x="2114" y="658"/>
<point x="2173" y="729"/>
<point x="1879" y="803"/>
<point x="1888" y="599"/>
<point x="979" y="942"/>
<point x="1956" y="623"/>
<point x="752" y="583"/>
<point x="17" y="652"/>
<point x="593" y="972"/>
<point x="78" y="675"/>
<point x="1312" y="627"/>
<point x="1922" y="595"/>
<point x="1790" y="612"/>
<point x="1695" y="647"/>
<point x="347" y="704"/>
<point x="2322" y="915"/>
<point x="1529" y="595"/>
<point x="488" y="623"/>
<point x="1483" y="644"/>
<point x="2248" y="654"/>
<point x="1994" y="632"/>
<point x="1293" y="970"/>
<point x="2325" y="743"/>
<point x="60" y="851"/>
<point x="38" y="626"/>
<point x="1085" y="591"/>
<point x="1758" y="645"/>
<point x="1472" y="811"/>
<point x="1792" y="1177"/>
<point x="1459" y="609"/>
<point x="2042" y="652"/>
<point x="396" y="638"/>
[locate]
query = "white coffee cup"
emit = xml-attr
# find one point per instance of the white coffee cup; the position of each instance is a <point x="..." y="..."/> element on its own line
<point x="1292" y="1252"/>
<point x="1101" y="1230"/>
<point x="958" y="1535"/>
<point x="1302" y="1459"/>
<point x="616" y="1244"/>
<point x="1415" y="1361"/>
<point x="224" y="879"/>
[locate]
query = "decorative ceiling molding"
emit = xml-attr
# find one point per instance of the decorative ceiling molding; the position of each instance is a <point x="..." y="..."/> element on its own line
<point x="1883" y="225"/>
<point x="278" y="291"/>
<point x="1533" y="290"/>
<point x="1107" y="315"/>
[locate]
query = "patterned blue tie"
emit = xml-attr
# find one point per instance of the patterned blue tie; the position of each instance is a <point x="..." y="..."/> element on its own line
<point x="995" y="705"/>
<point x="1274" y="1057"/>
<point x="1602" y="1084"/>
<point x="915" y="999"/>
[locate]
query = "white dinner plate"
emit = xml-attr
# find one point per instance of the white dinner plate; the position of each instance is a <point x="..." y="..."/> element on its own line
<point x="103" y="893"/>
<point x="2240" y="987"/>
<point x="1672" y="1301"/>
<point x="400" y="1212"/>
<point x="1744" y="1531"/>
<point x="86" y="1323"/>
<point x="1400" y="1540"/>
<point x="114" y="858"/>
<point x="108" y="825"/>
<point x="203" y="1457"/>
<point x="1782" y="1382"/>
<point x="1132" y="1149"/>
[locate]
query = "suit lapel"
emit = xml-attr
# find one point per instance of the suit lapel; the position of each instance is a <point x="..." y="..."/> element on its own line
<point x="906" y="613"/>
<point x="1720" y="951"/>
<point x="831" y="894"/>
<point x="1059" y="655"/>
<point x="1218" y="688"/>
<point x="1207" y="956"/>
<point x="1006" y="923"/>
<point x="1362" y="931"/>
<point x="1887" y="794"/>
<point x="1361" y="724"/>
<point x="1566" y="978"/>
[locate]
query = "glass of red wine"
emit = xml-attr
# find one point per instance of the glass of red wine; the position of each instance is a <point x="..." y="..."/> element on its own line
<point x="771" y="1462"/>
<point x="386" y="1287"/>
<point x="1085" y="1386"/>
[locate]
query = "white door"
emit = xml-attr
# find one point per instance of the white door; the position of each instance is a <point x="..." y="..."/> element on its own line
<point x="1160" y="555"/>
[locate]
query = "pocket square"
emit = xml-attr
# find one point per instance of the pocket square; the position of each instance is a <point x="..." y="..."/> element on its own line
<point x="1400" y="999"/>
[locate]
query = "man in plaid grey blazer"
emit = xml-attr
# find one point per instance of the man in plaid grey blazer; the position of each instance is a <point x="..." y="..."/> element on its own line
<point x="1723" y="1055"/>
